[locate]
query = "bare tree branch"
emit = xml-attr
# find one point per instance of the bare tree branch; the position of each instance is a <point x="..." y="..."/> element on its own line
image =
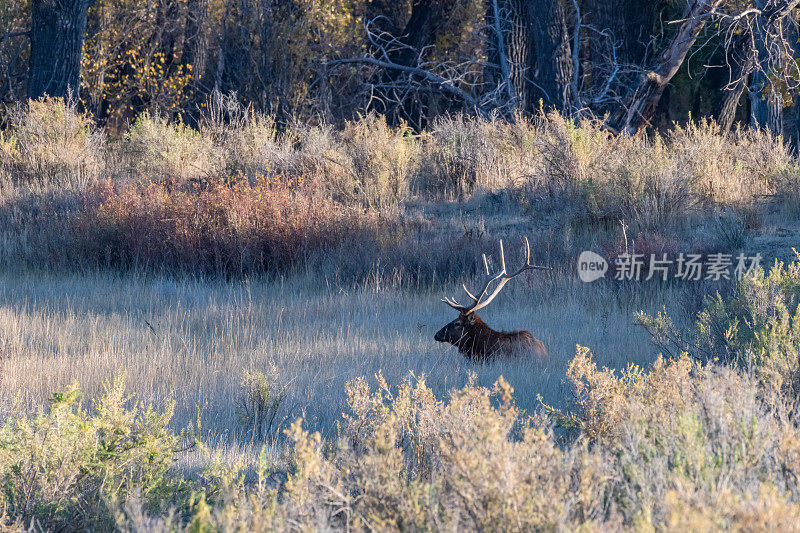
<point x="654" y="81"/>
<point x="12" y="34"/>
<point x="438" y="81"/>
<point x="502" y="54"/>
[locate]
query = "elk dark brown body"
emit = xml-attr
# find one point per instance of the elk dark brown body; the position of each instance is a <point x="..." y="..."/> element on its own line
<point x="472" y="336"/>
<point x="477" y="341"/>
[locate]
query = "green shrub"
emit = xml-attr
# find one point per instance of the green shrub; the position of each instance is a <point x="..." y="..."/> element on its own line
<point x="50" y="143"/>
<point x="259" y="400"/>
<point x="682" y="446"/>
<point x="166" y="152"/>
<point x="69" y="467"/>
<point x="757" y="324"/>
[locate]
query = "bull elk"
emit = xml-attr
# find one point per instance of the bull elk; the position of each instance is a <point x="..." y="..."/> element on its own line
<point x="476" y="340"/>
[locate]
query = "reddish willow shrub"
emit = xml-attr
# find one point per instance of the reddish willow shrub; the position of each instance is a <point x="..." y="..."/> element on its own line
<point x="230" y="228"/>
<point x="267" y="224"/>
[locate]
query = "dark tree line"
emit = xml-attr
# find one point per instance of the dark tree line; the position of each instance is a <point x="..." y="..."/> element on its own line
<point x="629" y="61"/>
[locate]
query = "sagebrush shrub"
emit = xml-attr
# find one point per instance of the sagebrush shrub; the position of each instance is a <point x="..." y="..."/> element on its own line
<point x="244" y="141"/>
<point x="693" y="180"/>
<point x="69" y="467"/>
<point x="688" y="436"/>
<point x="758" y="324"/>
<point x="681" y="445"/>
<point x="260" y="398"/>
<point x="169" y="152"/>
<point x="378" y="161"/>
<point x="51" y="143"/>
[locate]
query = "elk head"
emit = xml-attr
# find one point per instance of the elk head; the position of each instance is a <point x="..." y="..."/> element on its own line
<point x="471" y="335"/>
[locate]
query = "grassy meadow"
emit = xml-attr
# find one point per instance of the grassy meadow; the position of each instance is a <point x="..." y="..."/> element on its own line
<point x="231" y="327"/>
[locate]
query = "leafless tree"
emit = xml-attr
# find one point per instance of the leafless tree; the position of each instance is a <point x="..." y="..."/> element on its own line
<point x="12" y="65"/>
<point x="540" y="49"/>
<point x="758" y="39"/>
<point x="758" y="57"/>
<point x="503" y="85"/>
<point x="403" y="82"/>
<point x="655" y="80"/>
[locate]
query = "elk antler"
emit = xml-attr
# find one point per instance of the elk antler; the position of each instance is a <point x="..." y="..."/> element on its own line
<point x="478" y="302"/>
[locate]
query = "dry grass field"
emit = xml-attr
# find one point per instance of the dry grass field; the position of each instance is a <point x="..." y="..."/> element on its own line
<point x="216" y="286"/>
<point x="191" y="342"/>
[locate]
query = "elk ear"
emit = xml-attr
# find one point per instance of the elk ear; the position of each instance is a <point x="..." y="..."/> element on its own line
<point x="469" y="318"/>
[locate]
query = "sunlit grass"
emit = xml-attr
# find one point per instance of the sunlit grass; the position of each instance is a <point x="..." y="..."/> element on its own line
<point x="190" y="342"/>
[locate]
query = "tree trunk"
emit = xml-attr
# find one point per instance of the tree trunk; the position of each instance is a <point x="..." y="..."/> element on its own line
<point x="195" y="56"/>
<point x="630" y="23"/>
<point x="491" y="72"/>
<point x="740" y="64"/>
<point x="384" y="15"/>
<point x="57" y="32"/>
<point x="766" y="104"/>
<point x="266" y="64"/>
<point x="420" y="32"/>
<point x="195" y="46"/>
<point x="509" y="52"/>
<point x="421" y="29"/>
<point x="655" y="81"/>
<point x="548" y="21"/>
<point x="521" y="53"/>
<point x="791" y="127"/>
<point x="617" y="50"/>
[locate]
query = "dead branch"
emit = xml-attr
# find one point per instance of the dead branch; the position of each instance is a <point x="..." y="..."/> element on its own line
<point x="444" y="84"/>
<point x="12" y="34"/>
<point x="502" y="54"/>
<point x="654" y="81"/>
